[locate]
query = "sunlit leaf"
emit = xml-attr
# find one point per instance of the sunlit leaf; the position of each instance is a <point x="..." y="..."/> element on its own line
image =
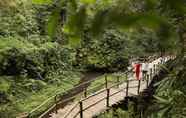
<point x="150" y="20"/>
<point x="42" y="1"/>
<point x="53" y="23"/>
<point x="74" y="41"/>
<point x="164" y="110"/>
<point x="76" y="21"/>
<point x="88" y="1"/>
<point x="161" y="100"/>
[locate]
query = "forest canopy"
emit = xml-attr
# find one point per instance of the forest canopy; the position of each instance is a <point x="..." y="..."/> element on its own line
<point x="47" y="45"/>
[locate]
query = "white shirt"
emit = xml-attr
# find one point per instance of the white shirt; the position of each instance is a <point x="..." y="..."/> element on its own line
<point x="145" y="66"/>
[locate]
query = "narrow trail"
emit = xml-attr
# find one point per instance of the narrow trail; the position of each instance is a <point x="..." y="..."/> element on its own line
<point x="73" y="92"/>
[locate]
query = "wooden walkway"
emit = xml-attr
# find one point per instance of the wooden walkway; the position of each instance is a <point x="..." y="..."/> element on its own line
<point x="101" y="100"/>
<point x="89" y="106"/>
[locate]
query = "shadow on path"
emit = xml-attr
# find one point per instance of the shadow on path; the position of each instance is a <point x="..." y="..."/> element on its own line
<point x="77" y="90"/>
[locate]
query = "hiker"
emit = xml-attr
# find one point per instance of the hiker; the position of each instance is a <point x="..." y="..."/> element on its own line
<point x="150" y="66"/>
<point x="133" y="66"/>
<point x="161" y="60"/>
<point x="137" y="68"/>
<point x="145" y="68"/>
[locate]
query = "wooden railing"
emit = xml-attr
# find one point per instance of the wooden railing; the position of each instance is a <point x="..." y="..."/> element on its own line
<point x="57" y="101"/>
<point x="60" y="102"/>
<point x="107" y="89"/>
<point x="107" y="97"/>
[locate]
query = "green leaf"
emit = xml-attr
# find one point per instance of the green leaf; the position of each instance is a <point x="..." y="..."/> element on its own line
<point x="77" y="20"/>
<point x="178" y="5"/>
<point x="4" y="85"/>
<point x="88" y="1"/>
<point x="74" y="41"/>
<point x="164" y="111"/>
<point x="161" y="100"/>
<point x="42" y="1"/>
<point x="151" y="20"/>
<point x="53" y="23"/>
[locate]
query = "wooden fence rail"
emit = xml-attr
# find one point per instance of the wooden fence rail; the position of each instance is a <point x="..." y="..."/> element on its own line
<point x="148" y="78"/>
<point x="107" y="97"/>
<point x="59" y="103"/>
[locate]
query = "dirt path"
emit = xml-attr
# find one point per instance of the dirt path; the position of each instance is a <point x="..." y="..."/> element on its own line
<point x="87" y="77"/>
<point x="77" y="90"/>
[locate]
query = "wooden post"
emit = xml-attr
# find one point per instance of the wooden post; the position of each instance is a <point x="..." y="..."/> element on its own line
<point x="144" y="76"/>
<point x="147" y="80"/>
<point x="108" y="94"/>
<point x="85" y="92"/>
<point x="118" y="81"/>
<point x="158" y="67"/>
<point x="126" y="76"/>
<point x="154" y="69"/>
<point x="151" y="74"/>
<point x="127" y="89"/>
<point x="55" y="104"/>
<point x="81" y="109"/>
<point x="106" y="82"/>
<point x="139" y="82"/>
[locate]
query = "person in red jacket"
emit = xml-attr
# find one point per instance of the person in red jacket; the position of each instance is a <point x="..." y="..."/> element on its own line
<point x="138" y="71"/>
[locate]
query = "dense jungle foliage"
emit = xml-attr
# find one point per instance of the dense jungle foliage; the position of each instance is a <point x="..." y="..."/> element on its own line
<point x="33" y="67"/>
<point x="45" y="45"/>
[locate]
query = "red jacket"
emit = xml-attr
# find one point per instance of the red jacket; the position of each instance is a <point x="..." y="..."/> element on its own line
<point x="137" y="71"/>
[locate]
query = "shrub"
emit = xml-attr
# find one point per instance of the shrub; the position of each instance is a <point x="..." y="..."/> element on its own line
<point x="19" y="20"/>
<point x="19" y="57"/>
<point x="4" y="88"/>
<point x="108" y="53"/>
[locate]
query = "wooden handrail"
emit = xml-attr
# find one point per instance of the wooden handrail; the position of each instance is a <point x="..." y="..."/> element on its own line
<point x="94" y="103"/>
<point x="99" y="92"/>
<point x="90" y="89"/>
<point x="106" y="88"/>
<point x="96" y="93"/>
<point x="68" y="113"/>
<point x="127" y="89"/>
<point x="139" y="83"/>
<point x="110" y="95"/>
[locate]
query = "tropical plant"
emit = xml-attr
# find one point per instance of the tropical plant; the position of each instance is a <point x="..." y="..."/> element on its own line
<point x="170" y="95"/>
<point x="108" y="52"/>
<point x="123" y="14"/>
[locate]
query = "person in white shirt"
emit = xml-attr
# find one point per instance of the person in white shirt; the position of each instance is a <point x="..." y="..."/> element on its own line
<point x="161" y="60"/>
<point x="145" y="67"/>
